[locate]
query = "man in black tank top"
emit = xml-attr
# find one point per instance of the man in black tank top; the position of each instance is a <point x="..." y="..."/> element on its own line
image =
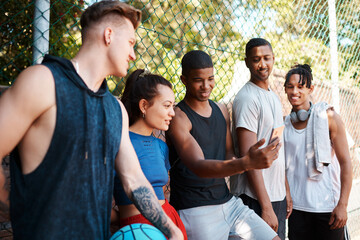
<point x="200" y="142"/>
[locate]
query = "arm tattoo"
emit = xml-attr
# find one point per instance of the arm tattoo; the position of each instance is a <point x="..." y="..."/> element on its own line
<point x="150" y="208"/>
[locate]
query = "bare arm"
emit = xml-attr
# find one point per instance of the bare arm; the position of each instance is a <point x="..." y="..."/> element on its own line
<point x="191" y="154"/>
<point x="138" y="188"/>
<point x="338" y="138"/>
<point x="247" y="138"/>
<point x="289" y="202"/>
<point x="31" y="95"/>
<point x="229" y="143"/>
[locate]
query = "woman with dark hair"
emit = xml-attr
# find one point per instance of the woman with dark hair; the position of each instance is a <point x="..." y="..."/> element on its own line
<point x="149" y="101"/>
<point x="318" y="164"/>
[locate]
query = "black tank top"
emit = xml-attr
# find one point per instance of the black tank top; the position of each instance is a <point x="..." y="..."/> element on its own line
<point x="187" y="189"/>
<point x="68" y="196"/>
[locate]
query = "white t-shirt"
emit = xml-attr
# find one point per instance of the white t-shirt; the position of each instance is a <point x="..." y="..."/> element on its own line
<point x="259" y="111"/>
<point x="307" y="194"/>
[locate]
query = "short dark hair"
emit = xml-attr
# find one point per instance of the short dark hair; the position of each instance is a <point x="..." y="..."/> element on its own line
<point x="305" y="73"/>
<point x="140" y="84"/>
<point x="97" y="11"/>
<point x="195" y="59"/>
<point x="256" y="42"/>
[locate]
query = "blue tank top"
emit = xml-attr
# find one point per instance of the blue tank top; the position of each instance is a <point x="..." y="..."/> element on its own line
<point x="153" y="155"/>
<point x="68" y="196"/>
<point x="187" y="189"/>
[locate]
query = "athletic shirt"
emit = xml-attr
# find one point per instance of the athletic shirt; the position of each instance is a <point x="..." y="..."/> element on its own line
<point x="153" y="155"/>
<point x="259" y="111"/>
<point x="68" y="196"/>
<point x="187" y="189"/>
<point x="309" y="195"/>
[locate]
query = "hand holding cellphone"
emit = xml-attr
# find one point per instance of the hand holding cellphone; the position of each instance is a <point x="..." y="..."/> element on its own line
<point x="276" y="132"/>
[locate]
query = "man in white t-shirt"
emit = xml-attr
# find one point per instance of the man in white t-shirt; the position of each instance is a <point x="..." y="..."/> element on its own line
<point x="256" y="112"/>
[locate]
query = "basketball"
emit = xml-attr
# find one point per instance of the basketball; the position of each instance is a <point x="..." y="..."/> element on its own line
<point x="138" y="231"/>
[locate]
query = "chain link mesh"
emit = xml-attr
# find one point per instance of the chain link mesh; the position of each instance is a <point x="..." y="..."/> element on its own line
<point x="299" y="31"/>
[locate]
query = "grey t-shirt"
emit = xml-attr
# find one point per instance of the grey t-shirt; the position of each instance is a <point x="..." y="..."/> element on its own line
<point x="259" y="111"/>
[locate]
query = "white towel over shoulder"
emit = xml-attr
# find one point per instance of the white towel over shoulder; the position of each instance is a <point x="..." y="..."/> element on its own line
<point x="318" y="148"/>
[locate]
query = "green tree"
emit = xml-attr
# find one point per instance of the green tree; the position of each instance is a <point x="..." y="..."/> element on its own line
<point x="16" y="34"/>
<point x="171" y="28"/>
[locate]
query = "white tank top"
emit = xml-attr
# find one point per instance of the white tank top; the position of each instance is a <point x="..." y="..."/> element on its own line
<point x="309" y="195"/>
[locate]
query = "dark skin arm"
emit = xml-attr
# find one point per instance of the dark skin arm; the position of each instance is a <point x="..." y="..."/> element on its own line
<point x="191" y="154"/>
<point x="245" y="139"/>
<point x="338" y="217"/>
<point x="289" y="202"/>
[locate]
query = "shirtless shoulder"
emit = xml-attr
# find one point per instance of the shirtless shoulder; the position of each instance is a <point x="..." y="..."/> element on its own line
<point x="224" y="110"/>
<point x="180" y="121"/>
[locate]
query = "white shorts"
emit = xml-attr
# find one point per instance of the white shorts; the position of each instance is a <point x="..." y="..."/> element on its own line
<point x="231" y="220"/>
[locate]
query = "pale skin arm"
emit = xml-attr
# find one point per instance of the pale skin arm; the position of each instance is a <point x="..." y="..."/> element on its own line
<point x="138" y="188"/>
<point x="338" y="138"/>
<point x="247" y="138"/>
<point x="192" y="156"/>
<point x="31" y="95"/>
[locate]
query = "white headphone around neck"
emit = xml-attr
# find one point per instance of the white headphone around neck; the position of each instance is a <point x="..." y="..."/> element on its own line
<point x="301" y="115"/>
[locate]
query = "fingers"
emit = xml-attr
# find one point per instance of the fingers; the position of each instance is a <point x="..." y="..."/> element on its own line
<point x="288" y="212"/>
<point x="275" y="227"/>
<point x="259" y="143"/>
<point x="337" y="223"/>
<point x="274" y="143"/>
<point x="332" y="219"/>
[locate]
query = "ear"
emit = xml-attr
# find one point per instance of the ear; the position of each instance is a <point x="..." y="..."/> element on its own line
<point x="143" y="105"/>
<point x="246" y="62"/>
<point x="311" y="88"/>
<point x="183" y="79"/>
<point x="108" y="32"/>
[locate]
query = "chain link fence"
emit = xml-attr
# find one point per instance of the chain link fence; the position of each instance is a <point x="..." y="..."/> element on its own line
<point x="324" y="34"/>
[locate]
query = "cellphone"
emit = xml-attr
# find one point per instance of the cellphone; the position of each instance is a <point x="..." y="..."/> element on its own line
<point x="276" y="132"/>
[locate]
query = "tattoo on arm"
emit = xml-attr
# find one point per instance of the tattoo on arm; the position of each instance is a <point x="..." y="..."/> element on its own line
<point x="150" y="208"/>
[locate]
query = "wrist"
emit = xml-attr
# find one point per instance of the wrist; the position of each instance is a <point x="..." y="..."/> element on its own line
<point x="244" y="166"/>
<point x="342" y="204"/>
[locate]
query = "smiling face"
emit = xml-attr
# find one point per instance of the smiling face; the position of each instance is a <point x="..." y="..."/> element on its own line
<point x="199" y="83"/>
<point x="298" y="94"/>
<point x="260" y="61"/>
<point x="160" y="110"/>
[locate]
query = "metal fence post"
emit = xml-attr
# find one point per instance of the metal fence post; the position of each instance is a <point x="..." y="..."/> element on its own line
<point x="334" y="56"/>
<point x="41" y="30"/>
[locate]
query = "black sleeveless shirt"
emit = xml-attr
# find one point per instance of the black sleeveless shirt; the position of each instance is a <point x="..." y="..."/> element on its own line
<point x="68" y="196"/>
<point x="187" y="189"/>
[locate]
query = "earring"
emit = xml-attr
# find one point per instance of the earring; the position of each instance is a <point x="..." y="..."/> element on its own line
<point x="143" y="115"/>
<point x="108" y="42"/>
